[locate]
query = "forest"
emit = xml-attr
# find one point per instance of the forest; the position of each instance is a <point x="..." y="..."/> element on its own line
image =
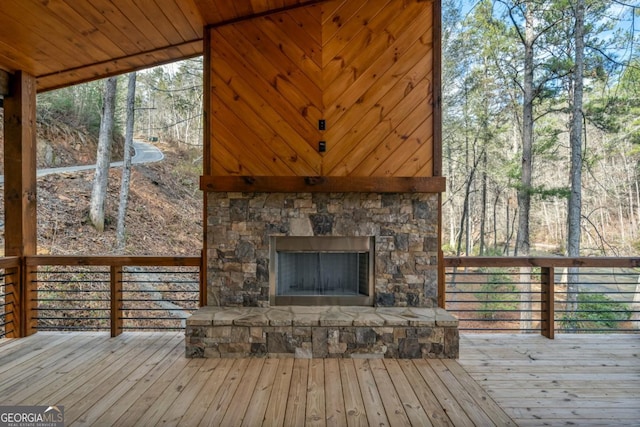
<point x="541" y="127"/>
<point x="541" y="124"/>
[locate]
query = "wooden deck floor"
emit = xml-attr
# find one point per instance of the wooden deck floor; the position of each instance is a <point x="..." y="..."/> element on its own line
<point x="143" y="379"/>
<point x="579" y="380"/>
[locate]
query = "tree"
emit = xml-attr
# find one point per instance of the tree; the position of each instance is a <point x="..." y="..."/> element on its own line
<point x="172" y="98"/>
<point x="574" y="211"/>
<point x="126" y="164"/>
<point x="101" y="177"/>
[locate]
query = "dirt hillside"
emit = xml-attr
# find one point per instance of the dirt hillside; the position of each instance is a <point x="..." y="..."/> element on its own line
<point x="165" y="206"/>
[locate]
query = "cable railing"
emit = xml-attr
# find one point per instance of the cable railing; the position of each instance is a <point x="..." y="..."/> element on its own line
<point x="68" y="293"/>
<point x="9" y="279"/>
<point x="487" y="294"/>
<point x="71" y="298"/>
<point x="545" y="295"/>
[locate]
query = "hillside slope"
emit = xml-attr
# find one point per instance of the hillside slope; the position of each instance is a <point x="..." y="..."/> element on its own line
<point x="164" y="215"/>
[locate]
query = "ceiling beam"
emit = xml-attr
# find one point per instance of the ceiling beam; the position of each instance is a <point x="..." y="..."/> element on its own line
<point x="265" y="13"/>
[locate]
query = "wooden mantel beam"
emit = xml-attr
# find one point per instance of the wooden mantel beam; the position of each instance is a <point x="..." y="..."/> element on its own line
<point x="321" y="184"/>
<point x="20" y="189"/>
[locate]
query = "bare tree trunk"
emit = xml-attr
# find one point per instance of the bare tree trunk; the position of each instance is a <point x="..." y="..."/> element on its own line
<point x="574" y="210"/>
<point x="495" y="221"/>
<point x="524" y="192"/>
<point x="101" y="178"/>
<point x="126" y="165"/>
<point x="483" y="209"/>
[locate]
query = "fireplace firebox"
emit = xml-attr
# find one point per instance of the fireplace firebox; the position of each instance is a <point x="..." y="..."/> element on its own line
<point x="322" y="270"/>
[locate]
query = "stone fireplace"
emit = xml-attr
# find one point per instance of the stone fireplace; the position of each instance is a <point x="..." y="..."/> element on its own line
<point x="402" y="229"/>
<point x="322" y="180"/>
<point x="389" y="238"/>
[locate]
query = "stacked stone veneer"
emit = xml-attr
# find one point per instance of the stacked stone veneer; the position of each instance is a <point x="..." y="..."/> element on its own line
<point x="320" y="332"/>
<point x="405" y="227"/>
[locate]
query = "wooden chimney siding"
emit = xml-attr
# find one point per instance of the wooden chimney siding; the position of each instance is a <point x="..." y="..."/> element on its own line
<point x="365" y="67"/>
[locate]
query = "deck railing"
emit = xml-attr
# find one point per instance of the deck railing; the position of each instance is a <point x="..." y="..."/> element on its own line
<point x="9" y="278"/>
<point x="514" y="294"/>
<point x="505" y="294"/>
<point x="106" y="293"/>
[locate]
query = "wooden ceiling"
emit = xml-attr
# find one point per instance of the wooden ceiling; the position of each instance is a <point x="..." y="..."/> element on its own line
<point x="65" y="42"/>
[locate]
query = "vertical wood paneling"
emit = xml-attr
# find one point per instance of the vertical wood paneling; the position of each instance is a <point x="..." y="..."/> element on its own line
<point x="365" y="67"/>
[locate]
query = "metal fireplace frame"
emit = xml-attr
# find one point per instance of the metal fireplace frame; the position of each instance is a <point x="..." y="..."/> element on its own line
<point x="328" y="244"/>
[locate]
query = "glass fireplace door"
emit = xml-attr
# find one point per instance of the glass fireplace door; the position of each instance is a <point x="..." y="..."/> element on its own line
<point x="322" y="270"/>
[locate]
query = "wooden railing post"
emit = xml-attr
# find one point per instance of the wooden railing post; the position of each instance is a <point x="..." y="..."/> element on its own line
<point x="547" y="306"/>
<point x="29" y="309"/>
<point x="203" y="279"/>
<point x="13" y="307"/>
<point x="116" y="300"/>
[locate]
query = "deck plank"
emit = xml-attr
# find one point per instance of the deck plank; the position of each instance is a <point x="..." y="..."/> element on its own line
<point x="214" y="382"/>
<point x="277" y="407"/>
<point x="370" y="394"/>
<point x="315" y="413"/>
<point x="413" y="407"/>
<point x="179" y="407"/>
<point x="489" y="406"/>
<point x="334" y="399"/>
<point x="355" y="410"/>
<point x="67" y="378"/>
<point x="147" y="399"/>
<point x="255" y="414"/>
<point x="144" y="379"/>
<point x="297" y="397"/>
<point x="19" y="354"/>
<point x="434" y="410"/>
<point x="135" y="386"/>
<point x="393" y="405"/>
<point x="98" y="394"/>
<point x="155" y="412"/>
<point x="572" y="380"/>
<point x="446" y="399"/>
<point x="218" y="408"/>
<point x="104" y="396"/>
<point x="238" y="406"/>
<point x="37" y="369"/>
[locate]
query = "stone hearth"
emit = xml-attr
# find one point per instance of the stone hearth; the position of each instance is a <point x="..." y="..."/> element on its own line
<point x="322" y="331"/>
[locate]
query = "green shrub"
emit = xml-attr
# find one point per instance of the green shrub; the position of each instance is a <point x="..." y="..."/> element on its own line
<point x="496" y="294"/>
<point x="595" y="311"/>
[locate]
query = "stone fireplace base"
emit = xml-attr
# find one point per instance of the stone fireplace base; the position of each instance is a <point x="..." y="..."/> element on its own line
<point x="321" y="332"/>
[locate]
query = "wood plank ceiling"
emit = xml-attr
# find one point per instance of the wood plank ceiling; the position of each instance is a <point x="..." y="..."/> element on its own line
<point x="65" y="42"/>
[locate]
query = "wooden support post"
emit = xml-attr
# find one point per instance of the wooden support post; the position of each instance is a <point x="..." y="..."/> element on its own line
<point x="203" y="279"/>
<point x="442" y="282"/>
<point x="116" y="300"/>
<point x="547" y="305"/>
<point x="20" y="185"/>
<point x="4" y="84"/>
